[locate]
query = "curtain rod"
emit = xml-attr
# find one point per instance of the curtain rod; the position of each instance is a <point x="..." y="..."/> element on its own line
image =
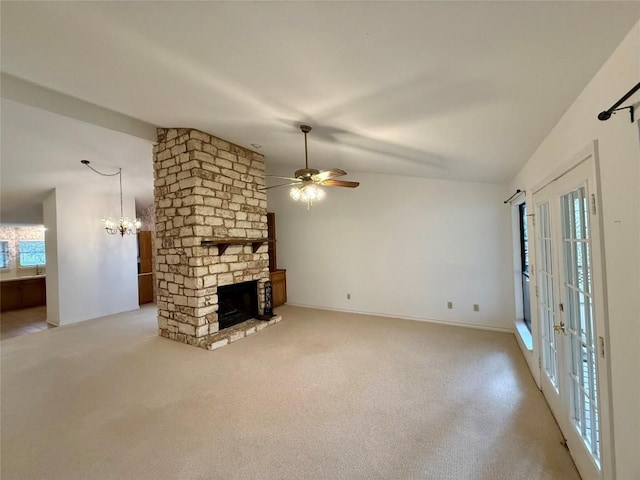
<point x="606" y="115"/>
<point x="517" y="192"/>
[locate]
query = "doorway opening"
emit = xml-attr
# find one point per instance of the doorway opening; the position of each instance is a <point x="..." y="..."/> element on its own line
<point x="23" y="295"/>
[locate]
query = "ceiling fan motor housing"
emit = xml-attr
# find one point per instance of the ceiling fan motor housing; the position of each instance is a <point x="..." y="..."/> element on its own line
<point x="305" y="173"/>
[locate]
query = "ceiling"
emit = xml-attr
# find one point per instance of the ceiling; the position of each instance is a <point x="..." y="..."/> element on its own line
<point x="453" y="90"/>
<point x="42" y="150"/>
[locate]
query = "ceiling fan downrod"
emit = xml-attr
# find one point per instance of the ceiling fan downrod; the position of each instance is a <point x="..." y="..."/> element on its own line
<point x="306" y="173"/>
<point x="305" y="129"/>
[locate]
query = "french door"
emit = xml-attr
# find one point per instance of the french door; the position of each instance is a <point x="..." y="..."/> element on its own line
<point x="570" y="305"/>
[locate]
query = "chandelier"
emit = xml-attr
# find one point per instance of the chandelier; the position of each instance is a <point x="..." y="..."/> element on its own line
<point x="307" y="192"/>
<point x="125" y="225"/>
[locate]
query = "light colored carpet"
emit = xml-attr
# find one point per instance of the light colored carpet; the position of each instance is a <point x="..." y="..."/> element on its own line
<point x="322" y="395"/>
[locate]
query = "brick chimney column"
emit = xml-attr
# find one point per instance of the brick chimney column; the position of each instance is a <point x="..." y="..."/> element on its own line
<point x="205" y="189"/>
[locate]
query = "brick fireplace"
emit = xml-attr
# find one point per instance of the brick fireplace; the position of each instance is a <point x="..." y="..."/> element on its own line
<point x="210" y="220"/>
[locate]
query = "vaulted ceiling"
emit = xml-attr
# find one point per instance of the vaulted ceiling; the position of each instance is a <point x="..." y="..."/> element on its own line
<point x="455" y="90"/>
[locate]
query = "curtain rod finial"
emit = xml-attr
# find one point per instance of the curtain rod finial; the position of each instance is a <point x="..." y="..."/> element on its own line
<point x="511" y="197"/>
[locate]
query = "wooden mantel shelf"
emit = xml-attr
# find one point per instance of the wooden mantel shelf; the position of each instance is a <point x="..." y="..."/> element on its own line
<point x="223" y="243"/>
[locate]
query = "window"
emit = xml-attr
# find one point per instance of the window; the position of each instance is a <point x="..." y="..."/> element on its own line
<point x="524" y="258"/>
<point x="4" y="254"/>
<point x="31" y="253"/>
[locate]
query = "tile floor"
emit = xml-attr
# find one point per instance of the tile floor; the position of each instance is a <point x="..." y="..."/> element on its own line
<point x="21" y="322"/>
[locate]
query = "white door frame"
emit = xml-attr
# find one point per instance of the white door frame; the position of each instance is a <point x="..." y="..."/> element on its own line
<point x="590" y="154"/>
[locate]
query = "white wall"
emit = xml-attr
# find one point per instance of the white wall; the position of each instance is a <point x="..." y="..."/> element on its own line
<point x="94" y="274"/>
<point x="51" y="249"/>
<point x="619" y="150"/>
<point x="402" y="247"/>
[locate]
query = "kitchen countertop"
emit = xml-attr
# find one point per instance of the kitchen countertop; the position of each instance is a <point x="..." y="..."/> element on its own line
<point x="26" y="277"/>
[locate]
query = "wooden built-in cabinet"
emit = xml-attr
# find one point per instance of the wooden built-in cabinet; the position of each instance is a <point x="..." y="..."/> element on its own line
<point x="271" y="235"/>
<point x="279" y="287"/>
<point x="145" y="267"/>
<point x="145" y="252"/>
<point x="278" y="276"/>
<point x="19" y="293"/>
<point x="145" y="288"/>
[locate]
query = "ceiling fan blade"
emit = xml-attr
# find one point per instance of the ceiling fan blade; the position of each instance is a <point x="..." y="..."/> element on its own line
<point x="262" y="189"/>
<point x="340" y="183"/>
<point x="326" y="175"/>
<point x="283" y="178"/>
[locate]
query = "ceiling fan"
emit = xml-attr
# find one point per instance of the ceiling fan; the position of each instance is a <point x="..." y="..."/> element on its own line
<point x="306" y="180"/>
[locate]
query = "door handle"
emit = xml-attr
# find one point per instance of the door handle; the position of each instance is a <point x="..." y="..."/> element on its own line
<point x="559" y="328"/>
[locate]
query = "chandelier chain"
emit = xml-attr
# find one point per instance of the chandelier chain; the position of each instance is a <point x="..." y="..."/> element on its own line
<point x="120" y="178"/>
<point x="124" y="226"/>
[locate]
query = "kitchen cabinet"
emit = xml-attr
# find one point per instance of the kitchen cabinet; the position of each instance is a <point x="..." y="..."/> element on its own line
<point x="16" y="293"/>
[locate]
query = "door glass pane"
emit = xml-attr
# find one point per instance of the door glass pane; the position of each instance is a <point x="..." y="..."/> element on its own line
<point x="546" y="301"/>
<point x="579" y="310"/>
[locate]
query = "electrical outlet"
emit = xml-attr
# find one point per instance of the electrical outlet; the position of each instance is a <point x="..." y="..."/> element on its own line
<point x="476" y="307"/>
<point x="449" y="305"/>
<point x="348" y="296"/>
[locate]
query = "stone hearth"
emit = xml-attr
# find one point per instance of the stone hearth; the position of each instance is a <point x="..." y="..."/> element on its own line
<point x="206" y="189"/>
<point x="232" y="334"/>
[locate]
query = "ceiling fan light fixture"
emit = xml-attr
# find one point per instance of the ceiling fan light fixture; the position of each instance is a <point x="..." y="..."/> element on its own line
<point x="307" y="181"/>
<point x="295" y="193"/>
<point x="313" y="192"/>
<point x="307" y="193"/>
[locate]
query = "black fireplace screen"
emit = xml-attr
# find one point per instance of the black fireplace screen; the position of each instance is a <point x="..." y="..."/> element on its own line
<point x="237" y="303"/>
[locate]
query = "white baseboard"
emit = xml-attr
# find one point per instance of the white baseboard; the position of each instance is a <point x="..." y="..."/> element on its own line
<point x="402" y="317"/>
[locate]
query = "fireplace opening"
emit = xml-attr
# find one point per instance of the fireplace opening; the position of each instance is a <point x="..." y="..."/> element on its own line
<point x="237" y="303"/>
